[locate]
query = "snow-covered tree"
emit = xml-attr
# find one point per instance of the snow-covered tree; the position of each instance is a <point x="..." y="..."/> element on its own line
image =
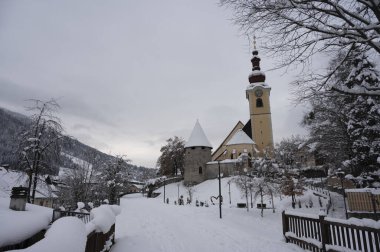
<point x="292" y="187"/>
<point x="286" y="150"/>
<point x="244" y="182"/>
<point x="327" y="126"/>
<point x="39" y="144"/>
<point x="363" y="125"/>
<point x="113" y="178"/>
<point x="346" y="127"/>
<point x="266" y="182"/>
<point x="81" y="180"/>
<point x="172" y="156"/>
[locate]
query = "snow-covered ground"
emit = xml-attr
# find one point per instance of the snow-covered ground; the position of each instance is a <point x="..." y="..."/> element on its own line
<point x="150" y="225"/>
<point x="16" y="226"/>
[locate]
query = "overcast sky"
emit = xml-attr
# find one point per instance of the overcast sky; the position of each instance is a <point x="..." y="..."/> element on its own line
<point x="130" y="74"/>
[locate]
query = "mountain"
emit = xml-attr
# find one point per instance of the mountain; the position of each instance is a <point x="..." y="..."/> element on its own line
<point x="12" y="125"/>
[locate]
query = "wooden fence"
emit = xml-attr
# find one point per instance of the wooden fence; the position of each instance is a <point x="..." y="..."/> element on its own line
<point x="363" y="201"/>
<point x="326" y="234"/>
<point x="96" y="242"/>
<point x="26" y="243"/>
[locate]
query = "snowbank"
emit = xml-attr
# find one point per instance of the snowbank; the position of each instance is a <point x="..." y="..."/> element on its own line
<point x="357" y="222"/>
<point x="66" y="234"/>
<point x="102" y="218"/>
<point x="17" y="226"/>
<point x="369" y="190"/>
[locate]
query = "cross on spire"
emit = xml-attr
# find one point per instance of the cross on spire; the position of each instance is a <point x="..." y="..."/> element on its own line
<point x="254" y="42"/>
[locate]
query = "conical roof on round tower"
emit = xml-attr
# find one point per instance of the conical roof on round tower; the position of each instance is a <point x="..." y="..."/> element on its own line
<point x="198" y="138"/>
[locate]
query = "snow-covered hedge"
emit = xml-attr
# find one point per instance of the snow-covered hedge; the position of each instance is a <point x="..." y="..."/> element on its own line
<point x="65" y="234"/>
<point x="70" y="233"/>
<point x="102" y="218"/>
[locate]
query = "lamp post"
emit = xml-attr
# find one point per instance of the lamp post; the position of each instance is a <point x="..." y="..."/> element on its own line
<point x="341" y="176"/>
<point x="220" y="193"/>
<point x="164" y="190"/>
<point x="178" y="192"/>
<point x="229" y="190"/>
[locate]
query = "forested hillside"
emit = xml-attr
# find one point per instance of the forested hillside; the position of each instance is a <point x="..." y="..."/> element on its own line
<point x="12" y="125"/>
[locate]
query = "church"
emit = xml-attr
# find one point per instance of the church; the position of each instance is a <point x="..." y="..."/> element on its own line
<point x="245" y="141"/>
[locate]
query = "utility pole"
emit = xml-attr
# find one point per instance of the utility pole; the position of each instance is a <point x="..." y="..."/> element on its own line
<point x="220" y="193"/>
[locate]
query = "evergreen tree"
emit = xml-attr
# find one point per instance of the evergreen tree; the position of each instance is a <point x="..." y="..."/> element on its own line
<point x="172" y="157"/>
<point x="363" y="125"/>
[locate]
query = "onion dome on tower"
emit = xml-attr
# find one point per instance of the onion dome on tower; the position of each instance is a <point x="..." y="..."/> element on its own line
<point x="256" y="75"/>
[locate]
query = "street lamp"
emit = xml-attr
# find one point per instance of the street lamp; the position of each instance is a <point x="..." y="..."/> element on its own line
<point x="178" y="192"/>
<point x="229" y="190"/>
<point x="164" y="190"/>
<point x="220" y="193"/>
<point x="341" y="176"/>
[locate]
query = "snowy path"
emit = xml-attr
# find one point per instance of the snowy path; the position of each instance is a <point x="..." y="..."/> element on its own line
<point x="149" y="225"/>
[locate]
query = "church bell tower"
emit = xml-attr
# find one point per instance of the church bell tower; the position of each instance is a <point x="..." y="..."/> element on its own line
<point x="258" y="93"/>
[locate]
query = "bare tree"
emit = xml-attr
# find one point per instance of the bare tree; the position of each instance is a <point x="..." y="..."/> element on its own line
<point x="244" y="183"/>
<point x="296" y="30"/>
<point x="81" y="180"/>
<point x="292" y="187"/>
<point x="190" y="191"/>
<point x="39" y="145"/>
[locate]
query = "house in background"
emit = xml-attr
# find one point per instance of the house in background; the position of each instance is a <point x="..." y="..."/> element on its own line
<point x="46" y="193"/>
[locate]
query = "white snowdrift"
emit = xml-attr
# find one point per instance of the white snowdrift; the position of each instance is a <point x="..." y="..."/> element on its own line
<point x="66" y="234"/>
<point x="102" y="218"/>
<point x="17" y="226"/>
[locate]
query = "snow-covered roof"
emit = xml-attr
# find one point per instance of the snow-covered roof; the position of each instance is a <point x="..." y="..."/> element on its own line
<point x="256" y="73"/>
<point x="9" y="179"/>
<point x="198" y="138"/>
<point x="240" y="137"/>
<point x="258" y="84"/>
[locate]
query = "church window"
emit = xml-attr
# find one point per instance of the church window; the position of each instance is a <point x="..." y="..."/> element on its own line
<point x="232" y="156"/>
<point x="259" y="103"/>
<point x="200" y="169"/>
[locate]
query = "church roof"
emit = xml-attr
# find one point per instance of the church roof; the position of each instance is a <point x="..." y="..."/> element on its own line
<point x="198" y="138"/>
<point x="240" y="138"/>
<point x="248" y="129"/>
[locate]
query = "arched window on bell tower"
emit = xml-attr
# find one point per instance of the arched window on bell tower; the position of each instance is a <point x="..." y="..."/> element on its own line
<point x="259" y="103"/>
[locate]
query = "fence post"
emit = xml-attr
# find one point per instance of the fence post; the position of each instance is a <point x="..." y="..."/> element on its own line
<point x="285" y="225"/>
<point x="324" y="232"/>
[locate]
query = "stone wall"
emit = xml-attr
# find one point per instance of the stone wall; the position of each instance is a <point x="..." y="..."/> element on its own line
<point x="226" y="168"/>
<point x="195" y="164"/>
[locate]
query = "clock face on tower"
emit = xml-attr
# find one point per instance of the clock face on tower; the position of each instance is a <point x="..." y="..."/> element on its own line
<point x="259" y="92"/>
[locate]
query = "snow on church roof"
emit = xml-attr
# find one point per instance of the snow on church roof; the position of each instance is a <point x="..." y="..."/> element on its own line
<point x="198" y="137"/>
<point x="240" y="137"/>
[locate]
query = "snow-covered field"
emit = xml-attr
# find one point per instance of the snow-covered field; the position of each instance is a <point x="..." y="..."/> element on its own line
<point x="150" y="225"/>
